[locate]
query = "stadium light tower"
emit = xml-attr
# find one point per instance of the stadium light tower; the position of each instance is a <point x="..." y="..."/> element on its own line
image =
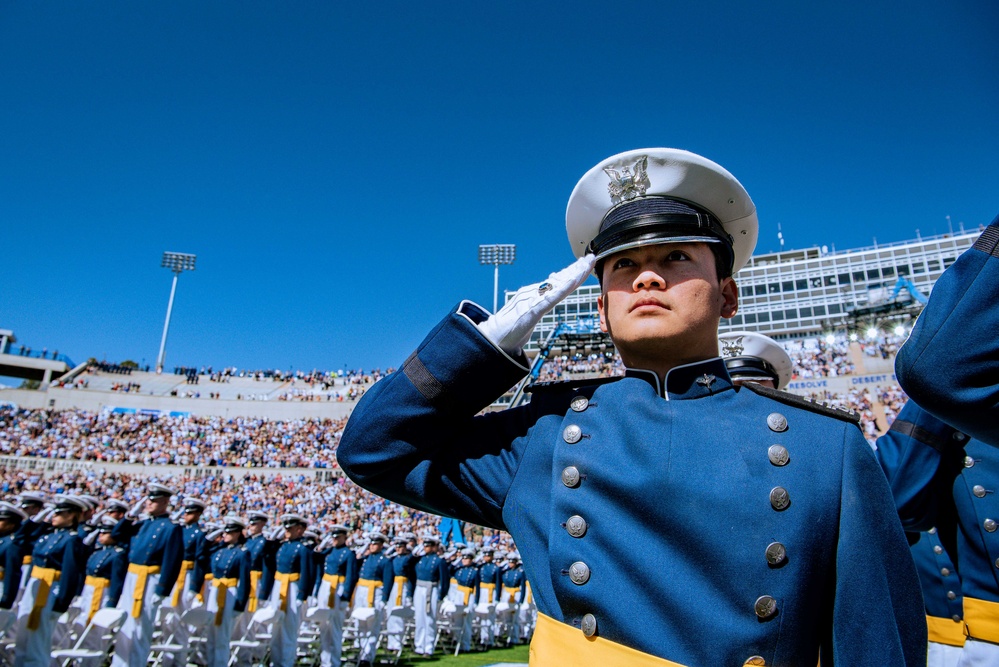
<point x="178" y="262"/>
<point x="496" y="254"/>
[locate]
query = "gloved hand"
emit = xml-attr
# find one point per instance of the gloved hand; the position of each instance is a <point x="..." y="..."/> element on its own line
<point x="327" y="541"/>
<point x="214" y="535"/>
<point x="136" y="509"/>
<point x="274" y="533"/>
<point x="91" y="538"/>
<point x="95" y="520"/>
<point x="510" y="328"/>
<point x="44" y="515"/>
<point x="156" y="600"/>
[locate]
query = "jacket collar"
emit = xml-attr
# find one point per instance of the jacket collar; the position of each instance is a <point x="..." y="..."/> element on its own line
<point x="696" y="380"/>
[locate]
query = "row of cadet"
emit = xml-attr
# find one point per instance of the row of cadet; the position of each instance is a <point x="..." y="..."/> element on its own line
<point x="156" y="584"/>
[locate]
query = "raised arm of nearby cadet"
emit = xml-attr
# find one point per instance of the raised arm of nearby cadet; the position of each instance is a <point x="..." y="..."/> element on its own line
<point x="921" y="455"/>
<point x="950" y="364"/>
<point x="306" y="572"/>
<point x="119" y="568"/>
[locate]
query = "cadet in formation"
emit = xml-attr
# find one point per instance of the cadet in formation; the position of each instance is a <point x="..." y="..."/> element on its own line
<point x="432" y="583"/>
<point x="514" y="594"/>
<point x="229" y="590"/>
<point x="155" y="553"/>
<point x="462" y="592"/>
<point x="372" y="595"/>
<point x="340" y="574"/>
<point x="782" y="496"/>
<point x="12" y="518"/>
<point x="294" y="582"/>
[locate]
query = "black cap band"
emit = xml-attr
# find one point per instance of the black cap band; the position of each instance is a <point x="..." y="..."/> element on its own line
<point x="751" y="366"/>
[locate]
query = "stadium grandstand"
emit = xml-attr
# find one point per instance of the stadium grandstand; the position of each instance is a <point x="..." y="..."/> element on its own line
<point x="244" y="441"/>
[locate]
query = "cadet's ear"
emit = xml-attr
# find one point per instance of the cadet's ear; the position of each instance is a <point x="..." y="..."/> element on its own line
<point x="730" y="298"/>
<point x="600" y="310"/>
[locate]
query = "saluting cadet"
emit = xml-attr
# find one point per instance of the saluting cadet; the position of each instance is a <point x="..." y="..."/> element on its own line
<point x="782" y="496"/>
<point x="372" y="592"/>
<point x="514" y="592"/>
<point x="490" y="585"/>
<point x="401" y="593"/>
<point x="55" y="573"/>
<point x="340" y="574"/>
<point x="33" y="504"/>
<point x="950" y="363"/>
<point x="944" y="480"/>
<point x="293" y="583"/>
<point x="155" y="552"/>
<point x="11" y="553"/>
<point x="463" y="591"/>
<point x="191" y="580"/>
<point x="433" y="578"/>
<point x="116" y="509"/>
<point x="262" y="555"/>
<point x="229" y="590"/>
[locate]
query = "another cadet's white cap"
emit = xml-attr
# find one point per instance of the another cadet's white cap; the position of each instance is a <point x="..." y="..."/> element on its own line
<point x="430" y="539"/>
<point x="375" y="536"/>
<point x="115" y="504"/>
<point x="753" y="356"/>
<point x="233" y="523"/>
<point x="258" y="516"/>
<point x="107" y="524"/>
<point x="468" y="553"/>
<point x="293" y="519"/>
<point x="93" y="500"/>
<point x="32" y="498"/>
<point x="12" y="512"/>
<point x="339" y="529"/>
<point x="156" y="490"/>
<point x="310" y="535"/>
<point x="513" y="555"/>
<point x="652" y="196"/>
<point x="67" y="503"/>
<point x="194" y="504"/>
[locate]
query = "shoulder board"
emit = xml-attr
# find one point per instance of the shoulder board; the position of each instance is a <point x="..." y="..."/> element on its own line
<point x="568" y="385"/>
<point x="803" y="403"/>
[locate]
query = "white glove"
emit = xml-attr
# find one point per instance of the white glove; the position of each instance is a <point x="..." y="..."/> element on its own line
<point x="44" y="515"/>
<point x="179" y="512"/>
<point x="214" y="535"/>
<point x="327" y="541"/>
<point x="510" y="328"/>
<point x="156" y="600"/>
<point x="274" y="534"/>
<point x="136" y="509"/>
<point x="91" y="538"/>
<point x="95" y="520"/>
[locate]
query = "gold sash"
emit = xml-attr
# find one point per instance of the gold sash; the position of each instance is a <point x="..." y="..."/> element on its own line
<point x="981" y="619"/>
<point x="99" y="584"/>
<point x="285" y="578"/>
<point x="46" y="577"/>
<point x="371" y="584"/>
<point x="251" y="603"/>
<point x="400" y="583"/>
<point x="185" y="567"/>
<point x="142" y="572"/>
<point x="222" y="586"/>
<point x="556" y="643"/>
<point x="334" y="581"/>
<point x="491" y="588"/>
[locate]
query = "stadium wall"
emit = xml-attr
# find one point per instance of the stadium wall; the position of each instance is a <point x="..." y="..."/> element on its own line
<point x="47" y="466"/>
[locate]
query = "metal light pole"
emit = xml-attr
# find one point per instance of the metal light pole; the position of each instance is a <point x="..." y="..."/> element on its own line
<point x="496" y="254"/>
<point x="177" y="262"/>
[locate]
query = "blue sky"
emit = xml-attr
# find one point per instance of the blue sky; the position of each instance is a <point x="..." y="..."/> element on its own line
<point x="335" y="165"/>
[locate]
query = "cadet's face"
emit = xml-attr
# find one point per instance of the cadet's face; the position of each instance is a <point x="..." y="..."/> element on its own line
<point x="65" y="518"/>
<point x="157" y="505"/>
<point x="231" y="537"/>
<point x="662" y="303"/>
<point x="294" y="531"/>
<point x="105" y="539"/>
<point x="255" y="527"/>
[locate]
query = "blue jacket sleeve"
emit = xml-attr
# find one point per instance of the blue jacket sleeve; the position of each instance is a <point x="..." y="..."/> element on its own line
<point x="388" y="578"/>
<point x="13" y="555"/>
<point x="414" y="437"/>
<point x="243" y="590"/>
<point x="920" y="456"/>
<point x="307" y="571"/>
<point x="73" y="560"/>
<point x="877" y="601"/>
<point x="445" y="573"/>
<point x="950" y="364"/>
<point x="203" y="551"/>
<point x="350" y="577"/>
<point x="119" y="568"/>
<point x="173" y="555"/>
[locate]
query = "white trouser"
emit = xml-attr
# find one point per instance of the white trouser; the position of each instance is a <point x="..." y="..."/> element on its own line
<point x="132" y="642"/>
<point x="34" y="647"/>
<point x="219" y="630"/>
<point x="426" y="601"/>
<point x="485" y="611"/>
<point x="461" y="626"/>
<point x="284" y="634"/>
<point x="174" y="626"/>
<point x="331" y="630"/>
<point x="370" y="628"/>
<point x="977" y="653"/>
<point x="395" y="624"/>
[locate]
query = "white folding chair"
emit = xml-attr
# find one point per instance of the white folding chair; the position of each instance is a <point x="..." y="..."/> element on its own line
<point x="195" y="618"/>
<point x="251" y="641"/>
<point x="105" y="622"/>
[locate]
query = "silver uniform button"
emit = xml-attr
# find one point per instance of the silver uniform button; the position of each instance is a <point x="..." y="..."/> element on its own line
<point x="779" y="499"/>
<point x="576" y="526"/>
<point x="937" y="549"/>
<point x="969" y="462"/>
<point x="932" y="531"/>
<point x="978" y="490"/>
<point x="945" y="571"/>
<point x="777" y="422"/>
<point x="765" y="606"/>
<point x="957" y="618"/>
<point x="778" y="455"/>
<point x="989" y="525"/>
<point x="572" y="434"/>
<point x="951" y="595"/>
<point x="997" y="562"/>
<point x="755" y="660"/>
<point x="776" y="553"/>
<point x="579" y="573"/>
<point x="579" y="403"/>
<point x="588" y="625"/>
<point x="570" y="477"/>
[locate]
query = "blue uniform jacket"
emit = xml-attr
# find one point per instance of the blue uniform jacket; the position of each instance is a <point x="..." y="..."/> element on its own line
<point x="515" y="578"/>
<point x="950" y="363"/>
<point x="435" y="569"/>
<point x="109" y="563"/>
<point x="263" y="553"/>
<point x="197" y="550"/>
<point x="941" y="588"/>
<point x="296" y="556"/>
<point x="342" y="561"/>
<point x="61" y="550"/>
<point x="155" y="541"/>
<point x="405" y="566"/>
<point x="233" y="562"/>
<point x="674" y="504"/>
<point x="489" y="573"/>
<point x="942" y="478"/>
<point x="468" y="577"/>
<point x="11" y="557"/>
<point x="378" y="567"/>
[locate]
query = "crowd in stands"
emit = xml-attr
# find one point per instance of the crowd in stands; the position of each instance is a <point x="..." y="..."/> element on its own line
<point x="165" y="440"/>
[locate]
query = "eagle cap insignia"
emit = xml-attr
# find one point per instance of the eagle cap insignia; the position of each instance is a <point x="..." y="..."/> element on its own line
<point x="706" y="380"/>
<point x="628" y="182"/>
<point x="733" y="347"/>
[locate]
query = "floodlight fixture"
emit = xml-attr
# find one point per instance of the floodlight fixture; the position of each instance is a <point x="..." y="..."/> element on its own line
<point x="177" y="262"/>
<point x="496" y="254"/>
<point x="872" y="333"/>
<point x="899" y="330"/>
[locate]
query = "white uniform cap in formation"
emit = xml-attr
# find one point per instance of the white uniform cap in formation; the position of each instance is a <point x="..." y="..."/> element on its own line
<point x="67" y="502"/>
<point x="93" y="500"/>
<point x="375" y="536"/>
<point x="513" y="555"/>
<point x="258" y="516"/>
<point x="107" y="524"/>
<point x="291" y="519"/>
<point x="339" y="529"/>
<point x="233" y="523"/>
<point x="652" y="196"/>
<point x="753" y="356"/>
<point x="115" y="504"/>
<point x="11" y="510"/>
<point x="309" y="535"/>
<point x="36" y="497"/>
<point x="431" y="539"/>
<point x="87" y="505"/>
<point x="159" y="490"/>
<point x="468" y="553"/>
<point x="190" y="502"/>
